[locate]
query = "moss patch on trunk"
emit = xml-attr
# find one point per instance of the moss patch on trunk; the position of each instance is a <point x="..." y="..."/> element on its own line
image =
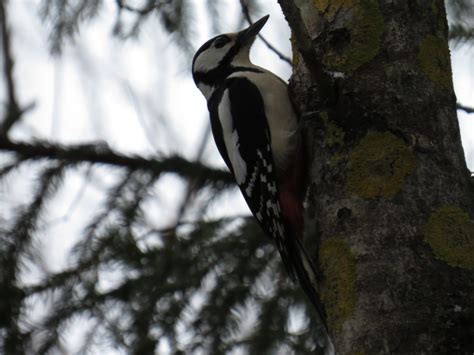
<point x="434" y="59"/>
<point x="379" y="165"/>
<point x="450" y="233"/>
<point x="330" y="7"/>
<point x="338" y="288"/>
<point x="334" y="134"/>
<point x="365" y="28"/>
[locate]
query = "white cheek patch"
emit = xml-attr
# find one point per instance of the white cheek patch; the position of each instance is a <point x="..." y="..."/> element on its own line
<point x="210" y="58"/>
<point x="231" y="140"/>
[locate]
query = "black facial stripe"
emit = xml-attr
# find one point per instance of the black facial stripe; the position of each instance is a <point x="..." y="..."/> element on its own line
<point x="230" y="54"/>
<point x="239" y="41"/>
<point x="220" y="74"/>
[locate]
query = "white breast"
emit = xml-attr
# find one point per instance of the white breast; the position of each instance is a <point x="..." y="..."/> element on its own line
<point x="231" y="140"/>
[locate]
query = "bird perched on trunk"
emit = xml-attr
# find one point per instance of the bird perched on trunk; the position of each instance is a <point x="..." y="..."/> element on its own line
<point x="257" y="133"/>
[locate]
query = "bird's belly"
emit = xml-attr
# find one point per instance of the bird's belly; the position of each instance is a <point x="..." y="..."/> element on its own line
<point x="282" y="122"/>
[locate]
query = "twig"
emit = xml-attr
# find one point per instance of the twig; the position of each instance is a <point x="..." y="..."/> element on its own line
<point x="13" y="109"/>
<point x="464" y="108"/>
<point x="96" y="154"/>
<point x="144" y="11"/>
<point x="172" y="230"/>
<point x="312" y="61"/>
<point x="246" y="12"/>
<point x="74" y="203"/>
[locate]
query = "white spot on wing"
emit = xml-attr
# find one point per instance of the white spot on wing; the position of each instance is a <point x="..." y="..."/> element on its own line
<point x="272" y="206"/>
<point x="251" y="184"/>
<point x="231" y="140"/>
<point x="272" y="188"/>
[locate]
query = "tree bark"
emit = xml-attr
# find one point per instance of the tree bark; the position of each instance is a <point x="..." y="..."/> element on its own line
<point x="390" y="196"/>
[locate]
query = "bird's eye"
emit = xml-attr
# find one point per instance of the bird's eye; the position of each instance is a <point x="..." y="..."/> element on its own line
<point x="221" y="41"/>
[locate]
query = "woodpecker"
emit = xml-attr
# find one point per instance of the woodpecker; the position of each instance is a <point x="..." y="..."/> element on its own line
<point x="256" y="131"/>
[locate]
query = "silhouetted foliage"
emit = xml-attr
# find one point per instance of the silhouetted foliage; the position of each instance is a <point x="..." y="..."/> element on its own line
<point x="200" y="285"/>
<point x="461" y="26"/>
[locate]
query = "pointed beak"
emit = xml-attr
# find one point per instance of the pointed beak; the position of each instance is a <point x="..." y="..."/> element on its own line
<point x="248" y="35"/>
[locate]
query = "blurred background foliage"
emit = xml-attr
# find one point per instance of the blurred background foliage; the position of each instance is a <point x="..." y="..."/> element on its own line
<point x="461" y="21"/>
<point x="201" y="282"/>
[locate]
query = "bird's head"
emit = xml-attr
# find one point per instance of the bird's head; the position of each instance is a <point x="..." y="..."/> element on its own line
<point x="216" y="58"/>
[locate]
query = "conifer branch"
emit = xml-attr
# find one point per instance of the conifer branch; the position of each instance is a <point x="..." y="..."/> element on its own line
<point x="98" y="154"/>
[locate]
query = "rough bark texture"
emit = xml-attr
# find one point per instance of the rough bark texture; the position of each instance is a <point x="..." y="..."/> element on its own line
<point x="390" y="196"/>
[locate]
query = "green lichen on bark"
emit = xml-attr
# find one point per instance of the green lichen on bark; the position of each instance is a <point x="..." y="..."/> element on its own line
<point x="450" y="233"/>
<point x="434" y="59"/>
<point x="379" y="165"/>
<point x="329" y="8"/>
<point x="366" y="27"/>
<point x="321" y="5"/>
<point x="334" y="134"/>
<point x="338" y="287"/>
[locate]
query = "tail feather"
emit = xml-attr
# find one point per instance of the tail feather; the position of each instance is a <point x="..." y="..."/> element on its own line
<point x="300" y="266"/>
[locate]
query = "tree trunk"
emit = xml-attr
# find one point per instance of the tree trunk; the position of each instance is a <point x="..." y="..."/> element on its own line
<point x="390" y="196"/>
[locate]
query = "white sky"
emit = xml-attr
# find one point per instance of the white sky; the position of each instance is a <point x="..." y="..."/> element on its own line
<point x="139" y="97"/>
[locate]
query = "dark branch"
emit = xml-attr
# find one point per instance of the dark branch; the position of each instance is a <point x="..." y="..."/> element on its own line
<point x="464" y="108"/>
<point x="98" y="154"/>
<point x="246" y="12"/>
<point x="305" y="46"/>
<point x="152" y="5"/>
<point x="13" y="109"/>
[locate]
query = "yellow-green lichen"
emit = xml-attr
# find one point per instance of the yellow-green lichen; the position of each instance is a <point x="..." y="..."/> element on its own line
<point x="379" y="165"/>
<point x="366" y="27"/>
<point x="334" y="134"/>
<point x="321" y="5"/>
<point x="435" y="60"/>
<point x="329" y="8"/>
<point x="434" y="7"/>
<point x="338" y="287"/>
<point x="450" y="233"/>
<point x="336" y="159"/>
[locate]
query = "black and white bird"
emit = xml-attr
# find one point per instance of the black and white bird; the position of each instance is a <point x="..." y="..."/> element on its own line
<point x="256" y="131"/>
